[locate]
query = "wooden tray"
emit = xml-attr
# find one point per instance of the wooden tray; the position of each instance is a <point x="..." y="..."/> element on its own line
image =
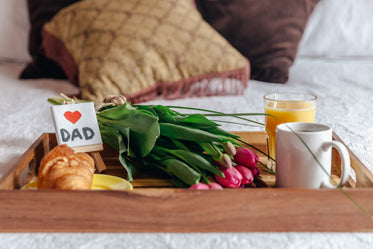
<point x="155" y="206"/>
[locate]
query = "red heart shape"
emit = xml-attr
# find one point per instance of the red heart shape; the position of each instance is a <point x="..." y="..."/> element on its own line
<point x="73" y="117"/>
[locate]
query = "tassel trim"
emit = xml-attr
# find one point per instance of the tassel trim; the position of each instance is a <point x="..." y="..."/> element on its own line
<point x="232" y="82"/>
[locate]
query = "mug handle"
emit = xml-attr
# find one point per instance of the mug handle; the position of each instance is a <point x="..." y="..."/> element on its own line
<point x="345" y="163"/>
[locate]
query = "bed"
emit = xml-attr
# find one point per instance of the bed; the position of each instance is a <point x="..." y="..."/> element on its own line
<point x="334" y="61"/>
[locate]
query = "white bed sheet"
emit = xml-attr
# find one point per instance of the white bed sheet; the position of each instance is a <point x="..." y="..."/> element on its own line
<point x="344" y="89"/>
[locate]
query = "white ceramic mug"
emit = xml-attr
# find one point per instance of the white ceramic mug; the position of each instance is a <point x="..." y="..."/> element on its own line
<point x="295" y="165"/>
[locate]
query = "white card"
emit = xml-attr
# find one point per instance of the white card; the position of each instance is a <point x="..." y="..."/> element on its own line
<point x="76" y="125"/>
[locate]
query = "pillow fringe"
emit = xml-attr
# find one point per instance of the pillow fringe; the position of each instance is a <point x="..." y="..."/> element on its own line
<point x="57" y="51"/>
<point x="232" y="82"/>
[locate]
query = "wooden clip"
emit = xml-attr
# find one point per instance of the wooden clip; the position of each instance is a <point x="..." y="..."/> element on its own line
<point x="100" y="165"/>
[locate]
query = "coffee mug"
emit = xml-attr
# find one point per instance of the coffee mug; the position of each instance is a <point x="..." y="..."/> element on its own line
<point x="296" y="167"/>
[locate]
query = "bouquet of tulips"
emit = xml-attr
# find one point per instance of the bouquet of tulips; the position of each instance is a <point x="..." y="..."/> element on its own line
<point x="193" y="150"/>
<point x="238" y="168"/>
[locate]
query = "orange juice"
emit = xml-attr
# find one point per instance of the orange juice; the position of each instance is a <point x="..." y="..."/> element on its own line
<point x="284" y="111"/>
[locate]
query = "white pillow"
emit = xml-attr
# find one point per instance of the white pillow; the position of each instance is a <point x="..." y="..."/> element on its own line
<point x="14" y="30"/>
<point x="339" y="28"/>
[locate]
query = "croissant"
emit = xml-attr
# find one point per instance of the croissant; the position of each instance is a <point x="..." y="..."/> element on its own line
<point x="61" y="168"/>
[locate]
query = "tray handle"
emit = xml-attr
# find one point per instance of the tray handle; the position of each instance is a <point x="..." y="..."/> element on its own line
<point x="26" y="167"/>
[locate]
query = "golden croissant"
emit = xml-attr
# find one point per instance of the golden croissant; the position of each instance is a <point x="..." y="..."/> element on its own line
<point x="61" y="168"/>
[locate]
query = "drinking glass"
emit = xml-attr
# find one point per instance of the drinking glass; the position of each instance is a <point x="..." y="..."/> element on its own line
<point x="284" y="108"/>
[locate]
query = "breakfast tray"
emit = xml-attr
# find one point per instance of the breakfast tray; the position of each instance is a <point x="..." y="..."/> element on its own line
<point x="154" y="205"/>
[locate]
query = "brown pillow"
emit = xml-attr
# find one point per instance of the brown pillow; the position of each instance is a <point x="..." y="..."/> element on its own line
<point x="142" y="49"/>
<point x="267" y="32"/>
<point x="42" y="11"/>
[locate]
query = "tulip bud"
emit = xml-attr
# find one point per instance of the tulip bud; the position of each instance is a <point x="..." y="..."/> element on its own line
<point x="225" y="161"/>
<point x="199" y="186"/>
<point x="247" y="175"/>
<point x="246" y="157"/>
<point x="232" y="178"/>
<point x="229" y="148"/>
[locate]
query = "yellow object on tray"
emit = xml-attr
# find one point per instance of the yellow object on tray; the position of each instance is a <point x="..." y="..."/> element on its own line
<point x="100" y="182"/>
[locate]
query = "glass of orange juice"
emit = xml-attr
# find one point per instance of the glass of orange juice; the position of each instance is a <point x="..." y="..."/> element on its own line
<point x="283" y="108"/>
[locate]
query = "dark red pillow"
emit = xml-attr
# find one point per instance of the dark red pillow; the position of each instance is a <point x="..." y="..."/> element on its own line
<point x="42" y="11"/>
<point x="267" y="32"/>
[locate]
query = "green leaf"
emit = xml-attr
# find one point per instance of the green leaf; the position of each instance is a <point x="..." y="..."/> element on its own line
<point x="219" y="131"/>
<point x="179" y="183"/>
<point x="211" y="149"/>
<point x="182" y="171"/>
<point x="186" y="133"/>
<point x="143" y="127"/>
<point x="130" y="169"/>
<point x="197" y="121"/>
<point x="60" y="101"/>
<point x="110" y="135"/>
<point x="147" y="109"/>
<point x="115" y="139"/>
<point x="165" y="114"/>
<point x="196" y="160"/>
<point x="159" y="151"/>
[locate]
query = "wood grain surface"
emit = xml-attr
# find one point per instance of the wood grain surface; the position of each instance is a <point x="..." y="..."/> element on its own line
<point x="156" y="206"/>
<point x="184" y="210"/>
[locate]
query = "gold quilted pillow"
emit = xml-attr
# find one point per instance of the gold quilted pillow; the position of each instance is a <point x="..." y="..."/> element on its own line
<point x="142" y="49"/>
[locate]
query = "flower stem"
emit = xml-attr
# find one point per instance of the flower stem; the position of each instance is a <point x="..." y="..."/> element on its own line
<point x="222" y="114"/>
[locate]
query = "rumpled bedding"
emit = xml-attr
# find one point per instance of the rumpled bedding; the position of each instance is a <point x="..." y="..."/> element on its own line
<point x="344" y="91"/>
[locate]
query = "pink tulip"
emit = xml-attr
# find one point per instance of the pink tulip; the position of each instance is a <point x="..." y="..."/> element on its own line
<point x="232" y="178"/>
<point x="254" y="171"/>
<point x="247" y="175"/>
<point x="246" y="157"/>
<point x="214" y="185"/>
<point x="199" y="186"/>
